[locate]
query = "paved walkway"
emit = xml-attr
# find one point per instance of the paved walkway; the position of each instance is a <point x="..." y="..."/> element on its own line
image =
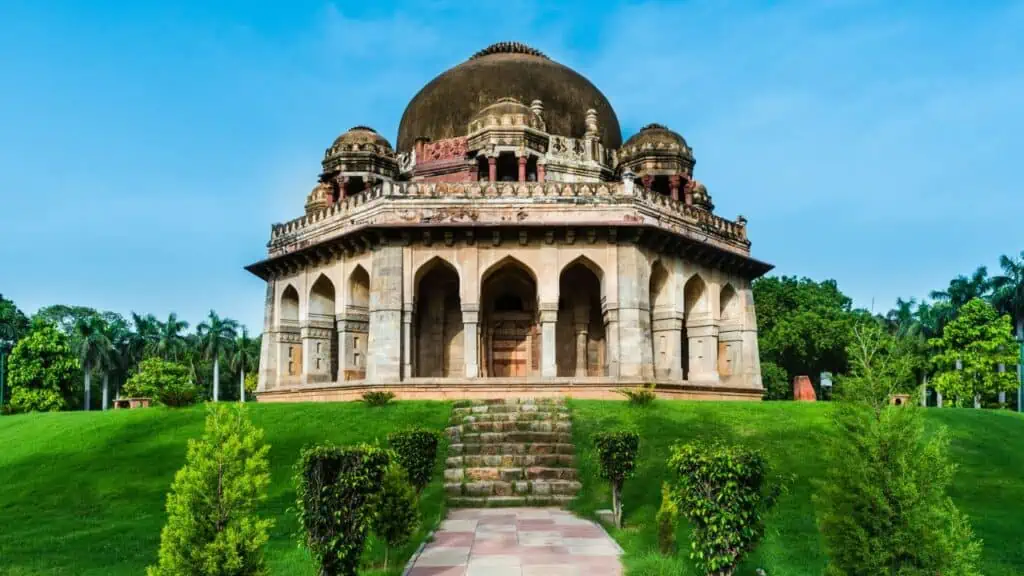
<point x="519" y="542"/>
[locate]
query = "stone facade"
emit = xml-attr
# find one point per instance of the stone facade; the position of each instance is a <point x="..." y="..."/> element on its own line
<point x="509" y="259"/>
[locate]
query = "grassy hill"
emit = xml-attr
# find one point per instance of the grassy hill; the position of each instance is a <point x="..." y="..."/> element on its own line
<point x="989" y="486"/>
<point x="84" y="493"/>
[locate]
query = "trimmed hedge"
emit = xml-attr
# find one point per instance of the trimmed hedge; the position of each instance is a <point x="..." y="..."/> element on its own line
<point x="416" y="451"/>
<point x="616" y="454"/>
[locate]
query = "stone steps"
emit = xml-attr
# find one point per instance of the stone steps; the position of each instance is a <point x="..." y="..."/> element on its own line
<point x="510" y="452"/>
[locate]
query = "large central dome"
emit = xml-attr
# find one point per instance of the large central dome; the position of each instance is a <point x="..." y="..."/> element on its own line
<point x="444" y="107"/>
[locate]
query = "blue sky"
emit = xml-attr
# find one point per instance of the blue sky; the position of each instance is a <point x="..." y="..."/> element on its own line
<point x="145" y="148"/>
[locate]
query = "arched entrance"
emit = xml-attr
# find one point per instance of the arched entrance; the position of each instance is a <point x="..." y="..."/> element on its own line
<point x="694" y="305"/>
<point x="322" y="334"/>
<point x="289" y="326"/>
<point x="511" y="341"/>
<point x="660" y="301"/>
<point x="439" y="339"/>
<point x="580" y="337"/>
<point x="357" y="322"/>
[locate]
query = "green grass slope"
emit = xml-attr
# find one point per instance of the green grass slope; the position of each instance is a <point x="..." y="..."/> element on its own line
<point x="988" y="447"/>
<point x="84" y="493"/>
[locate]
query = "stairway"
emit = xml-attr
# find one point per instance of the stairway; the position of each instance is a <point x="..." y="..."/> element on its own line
<point x="510" y="452"/>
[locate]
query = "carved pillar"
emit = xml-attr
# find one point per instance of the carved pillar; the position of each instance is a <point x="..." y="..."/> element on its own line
<point x="688" y="193"/>
<point x="540" y="171"/>
<point x="548" y="318"/>
<point x="492" y="168"/>
<point x="522" y="167"/>
<point x="611" y="334"/>
<point x="470" y="321"/>
<point x="407" y="340"/>
<point x="673" y="182"/>
<point x="647" y="180"/>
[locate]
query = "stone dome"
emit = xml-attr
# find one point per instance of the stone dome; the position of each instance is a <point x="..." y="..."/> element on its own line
<point x="655" y="137"/>
<point x="506" y="112"/>
<point x="444" y="107"/>
<point x="360" y="138"/>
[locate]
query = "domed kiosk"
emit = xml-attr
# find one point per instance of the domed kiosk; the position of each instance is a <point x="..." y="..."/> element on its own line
<point x="509" y="244"/>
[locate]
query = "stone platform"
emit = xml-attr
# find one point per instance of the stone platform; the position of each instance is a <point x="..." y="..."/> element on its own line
<point x="485" y="388"/>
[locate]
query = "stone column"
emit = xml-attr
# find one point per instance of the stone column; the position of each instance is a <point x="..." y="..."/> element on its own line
<point x="611" y="335"/>
<point x="703" y="344"/>
<point x="548" y="318"/>
<point x="384" y="362"/>
<point x="407" y="340"/>
<point x="492" y="168"/>
<point x="316" y="356"/>
<point x="267" y="378"/>
<point x="522" y="167"/>
<point x="540" y="171"/>
<point x="634" y="317"/>
<point x="647" y="180"/>
<point x="666" y="334"/>
<point x="750" y="355"/>
<point x="673" y="183"/>
<point x="470" y="322"/>
<point x="688" y="193"/>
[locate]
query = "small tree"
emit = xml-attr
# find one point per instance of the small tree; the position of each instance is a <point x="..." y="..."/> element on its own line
<point x="212" y="527"/>
<point x="980" y="339"/>
<point x="336" y="494"/>
<point x="166" y="382"/>
<point x="882" y="506"/>
<point x="723" y="491"/>
<point x="43" y="371"/>
<point x="616" y="453"/>
<point x="668" y="517"/>
<point x="416" y="451"/>
<point x="397" y="514"/>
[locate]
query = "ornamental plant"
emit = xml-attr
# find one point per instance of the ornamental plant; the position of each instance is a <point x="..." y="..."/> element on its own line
<point x="212" y="526"/>
<point x="724" y="493"/>
<point x="616" y="453"/>
<point x="667" y="518"/>
<point x="416" y="451"/>
<point x="336" y="497"/>
<point x="378" y="397"/>
<point x="167" y="383"/>
<point x="43" y="371"/>
<point x="397" y="513"/>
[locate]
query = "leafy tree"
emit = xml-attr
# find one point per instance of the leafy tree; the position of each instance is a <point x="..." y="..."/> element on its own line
<point x="803" y="328"/>
<point x="43" y="371"/>
<point x="980" y="340"/>
<point x="13" y="326"/>
<point x="882" y="506"/>
<point x="1008" y="291"/>
<point x="170" y="342"/>
<point x="95" y="352"/>
<point x="396" y="515"/>
<point x="337" y="491"/>
<point x="724" y="492"/>
<point x="416" y="451"/>
<point x="212" y="526"/>
<point x="167" y="383"/>
<point x="961" y="290"/>
<point x="616" y="455"/>
<point x="244" y="355"/>
<point x="216" y="335"/>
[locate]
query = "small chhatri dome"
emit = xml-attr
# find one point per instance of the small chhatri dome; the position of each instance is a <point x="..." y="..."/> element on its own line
<point x="444" y="107"/>
<point x="506" y="112"/>
<point x="656" y="136"/>
<point x="360" y="138"/>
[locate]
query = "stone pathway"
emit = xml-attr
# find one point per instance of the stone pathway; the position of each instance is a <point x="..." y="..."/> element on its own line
<point x="519" y="542"/>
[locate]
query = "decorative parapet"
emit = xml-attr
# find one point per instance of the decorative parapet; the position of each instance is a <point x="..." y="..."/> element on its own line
<point x="403" y="203"/>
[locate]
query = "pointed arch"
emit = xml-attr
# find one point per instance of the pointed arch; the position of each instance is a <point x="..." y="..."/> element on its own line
<point x="659" y="286"/>
<point x="438" y="340"/>
<point x="695" y="296"/>
<point x="432" y="264"/>
<point x="728" y="303"/>
<point x="506" y="263"/>
<point x="509" y="317"/>
<point x="289" y="306"/>
<point x="579" y="327"/>
<point x="359" y="288"/>
<point x="322" y="297"/>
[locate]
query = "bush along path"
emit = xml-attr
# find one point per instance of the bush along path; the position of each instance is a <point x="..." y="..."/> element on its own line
<point x="510" y="452"/>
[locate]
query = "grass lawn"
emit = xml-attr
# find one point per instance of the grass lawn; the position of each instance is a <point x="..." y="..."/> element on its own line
<point x="988" y="446"/>
<point x="84" y="493"/>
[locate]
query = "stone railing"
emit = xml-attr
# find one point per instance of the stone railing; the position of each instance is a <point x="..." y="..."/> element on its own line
<point x="610" y="192"/>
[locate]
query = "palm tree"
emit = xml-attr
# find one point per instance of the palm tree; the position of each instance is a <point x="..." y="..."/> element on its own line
<point x="216" y="335"/>
<point x="169" y="340"/>
<point x="962" y="290"/>
<point x="902" y="319"/>
<point x="1008" y="298"/>
<point x="242" y="359"/>
<point x="95" y="352"/>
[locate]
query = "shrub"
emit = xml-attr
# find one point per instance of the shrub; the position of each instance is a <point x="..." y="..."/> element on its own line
<point x="167" y="383"/>
<point x="378" y="398"/>
<point x="667" y="518"/>
<point x="416" y="451"/>
<point x="641" y="395"/>
<point x="336" y="492"/>
<point x="723" y="492"/>
<point x="396" y="514"/>
<point x="212" y="526"/>
<point x="616" y="452"/>
<point x="882" y="506"/>
<point x="42" y="371"/>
